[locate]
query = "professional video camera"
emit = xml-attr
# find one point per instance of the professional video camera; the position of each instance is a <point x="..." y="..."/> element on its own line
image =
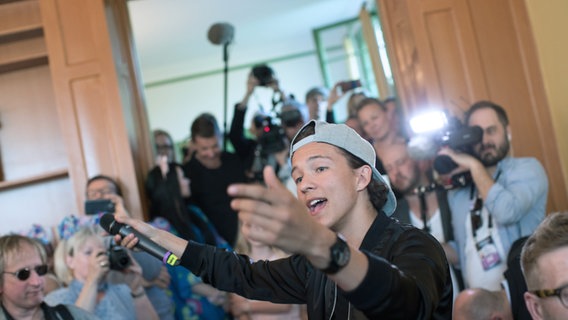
<point x="434" y="130"/>
<point x="272" y="140"/>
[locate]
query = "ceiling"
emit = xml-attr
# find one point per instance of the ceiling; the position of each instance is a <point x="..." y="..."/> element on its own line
<point x="170" y="33"/>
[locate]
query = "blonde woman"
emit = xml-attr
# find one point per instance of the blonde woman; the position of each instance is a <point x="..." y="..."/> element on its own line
<point x="82" y="263"/>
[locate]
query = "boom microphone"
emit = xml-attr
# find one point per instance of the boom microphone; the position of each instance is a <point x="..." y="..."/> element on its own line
<point x="144" y="243"/>
<point x="221" y="33"/>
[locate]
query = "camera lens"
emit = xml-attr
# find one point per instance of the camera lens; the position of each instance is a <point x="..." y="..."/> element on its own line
<point x="118" y="258"/>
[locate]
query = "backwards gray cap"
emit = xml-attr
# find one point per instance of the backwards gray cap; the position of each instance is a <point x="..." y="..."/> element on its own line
<point x="342" y="136"/>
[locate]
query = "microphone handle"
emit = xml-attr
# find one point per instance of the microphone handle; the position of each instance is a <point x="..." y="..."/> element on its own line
<point x="150" y="246"/>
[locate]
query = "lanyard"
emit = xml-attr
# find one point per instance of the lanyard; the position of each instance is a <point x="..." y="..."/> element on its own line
<point x="475" y="213"/>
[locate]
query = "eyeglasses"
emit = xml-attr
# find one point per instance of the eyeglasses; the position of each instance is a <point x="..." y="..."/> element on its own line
<point x="164" y="147"/>
<point x="98" y="193"/>
<point x="561" y="293"/>
<point x="25" y="273"/>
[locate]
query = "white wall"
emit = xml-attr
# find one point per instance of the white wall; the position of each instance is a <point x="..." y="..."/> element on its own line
<point x="173" y="106"/>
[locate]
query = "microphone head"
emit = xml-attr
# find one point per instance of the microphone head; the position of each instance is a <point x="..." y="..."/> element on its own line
<point x="109" y="224"/>
<point x="221" y="33"/>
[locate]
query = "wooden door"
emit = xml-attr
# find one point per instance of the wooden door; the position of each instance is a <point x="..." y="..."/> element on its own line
<point x="453" y="53"/>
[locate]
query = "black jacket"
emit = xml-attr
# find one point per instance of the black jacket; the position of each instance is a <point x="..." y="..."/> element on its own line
<point x="408" y="277"/>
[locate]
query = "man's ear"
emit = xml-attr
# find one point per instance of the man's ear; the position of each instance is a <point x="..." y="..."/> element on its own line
<point x="365" y="175"/>
<point x="533" y="305"/>
<point x="509" y="136"/>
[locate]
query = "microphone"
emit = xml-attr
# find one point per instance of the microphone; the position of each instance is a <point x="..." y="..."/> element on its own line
<point x="144" y="243"/>
<point x="221" y="33"/>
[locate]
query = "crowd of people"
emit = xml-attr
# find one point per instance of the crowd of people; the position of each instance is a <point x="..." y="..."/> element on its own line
<point x="306" y="217"/>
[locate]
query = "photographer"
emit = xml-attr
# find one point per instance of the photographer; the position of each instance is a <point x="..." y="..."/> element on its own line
<point x="253" y="154"/>
<point x="506" y="201"/>
<point x="423" y="202"/>
<point x="83" y="263"/>
<point x="155" y="275"/>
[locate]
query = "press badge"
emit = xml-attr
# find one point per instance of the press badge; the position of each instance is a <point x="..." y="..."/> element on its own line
<point x="488" y="253"/>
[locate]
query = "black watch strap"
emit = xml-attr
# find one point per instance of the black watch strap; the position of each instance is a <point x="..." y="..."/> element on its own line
<point x="339" y="254"/>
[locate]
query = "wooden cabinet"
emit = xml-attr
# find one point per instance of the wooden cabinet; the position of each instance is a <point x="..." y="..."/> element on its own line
<point x="452" y="53"/>
<point x="70" y="108"/>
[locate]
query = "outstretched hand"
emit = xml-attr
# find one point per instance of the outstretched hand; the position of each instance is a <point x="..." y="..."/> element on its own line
<point x="280" y="219"/>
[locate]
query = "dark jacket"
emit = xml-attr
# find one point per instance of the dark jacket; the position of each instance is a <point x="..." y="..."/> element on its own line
<point x="408" y="277"/>
<point x="244" y="147"/>
<point x="516" y="281"/>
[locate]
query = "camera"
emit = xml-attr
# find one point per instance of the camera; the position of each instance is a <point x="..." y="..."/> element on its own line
<point x="349" y="85"/>
<point x="118" y="258"/>
<point x="272" y="140"/>
<point x="264" y="74"/>
<point x="434" y="130"/>
<point x="99" y="206"/>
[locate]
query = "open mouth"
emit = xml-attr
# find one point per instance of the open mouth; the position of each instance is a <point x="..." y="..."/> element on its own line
<point x="314" y="206"/>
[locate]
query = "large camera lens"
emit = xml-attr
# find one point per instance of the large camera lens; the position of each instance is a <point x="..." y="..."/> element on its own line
<point x="118" y="258"/>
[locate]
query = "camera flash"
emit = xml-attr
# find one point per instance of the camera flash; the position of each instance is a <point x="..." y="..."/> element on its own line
<point x="428" y="122"/>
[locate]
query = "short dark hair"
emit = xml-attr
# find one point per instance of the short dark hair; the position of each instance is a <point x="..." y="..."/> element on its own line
<point x="107" y="178"/>
<point x="317" y="91"/>
<point x="500" y="111"/>
<point x="367" y="101"/>
<point x="205" y="126"/>
<point x="390" y="99"/>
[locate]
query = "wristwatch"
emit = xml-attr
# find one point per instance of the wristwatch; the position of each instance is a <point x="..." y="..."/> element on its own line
<point x="339" y="254"/>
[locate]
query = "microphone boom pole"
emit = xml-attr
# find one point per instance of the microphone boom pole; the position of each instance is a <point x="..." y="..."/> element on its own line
<point x="223" y="33"/>
<point x="226" y="86"/>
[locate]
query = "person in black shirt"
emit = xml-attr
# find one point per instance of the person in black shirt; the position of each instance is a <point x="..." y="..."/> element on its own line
<point x="349" y="259"/>
<point x="210" y="172"/>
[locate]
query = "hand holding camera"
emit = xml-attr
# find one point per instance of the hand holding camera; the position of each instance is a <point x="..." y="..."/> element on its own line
<point x="340" y="89"/>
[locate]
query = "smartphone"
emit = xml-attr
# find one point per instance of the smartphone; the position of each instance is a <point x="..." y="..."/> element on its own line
<point x="99" y="206"/>
<point x="349" y="85"/>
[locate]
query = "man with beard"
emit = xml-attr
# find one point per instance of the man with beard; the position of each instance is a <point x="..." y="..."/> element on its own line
<point x="423" y="203"/>
<point x="506" y="201"/>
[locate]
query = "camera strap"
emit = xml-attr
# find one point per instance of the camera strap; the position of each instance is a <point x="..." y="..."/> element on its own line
<point x="477" y="206"/>
<point x="421" y="192"/>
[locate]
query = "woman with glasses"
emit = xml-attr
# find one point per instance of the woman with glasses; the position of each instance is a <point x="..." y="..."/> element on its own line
<point x="23" y="264"/>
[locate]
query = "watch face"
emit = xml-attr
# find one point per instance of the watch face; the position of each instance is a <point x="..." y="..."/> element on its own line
<point x="341" y="253"/>
<point x="342" y="257"/>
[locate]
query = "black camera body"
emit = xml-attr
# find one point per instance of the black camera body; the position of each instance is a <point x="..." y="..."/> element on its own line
<point x="272" y="140"/>
<point x="118" y="258"/>
<point x="99" y="206"/>
<point x="454" y="135"/>
<point x="461" y="138"/>
<point x="264" y="74"/>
